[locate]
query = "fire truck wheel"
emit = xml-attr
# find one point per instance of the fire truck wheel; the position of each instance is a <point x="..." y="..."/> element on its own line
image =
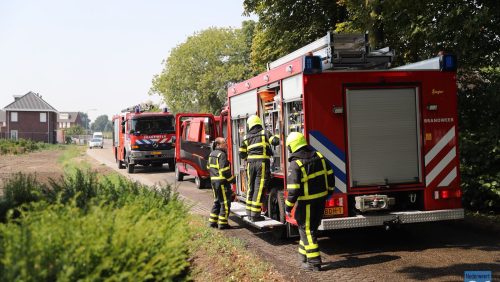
<point x="130" y="168"/>
<point x="276" y="209"/>
<point x="171" y="165"/>
<point x="200" y="182"/>
<point x="179" y="176"/>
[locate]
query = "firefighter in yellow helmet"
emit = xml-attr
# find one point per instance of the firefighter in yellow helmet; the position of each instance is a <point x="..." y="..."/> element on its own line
<point x="256" y="149"/>
<point x="220" y="177"/>
<point x="309" y="182"/>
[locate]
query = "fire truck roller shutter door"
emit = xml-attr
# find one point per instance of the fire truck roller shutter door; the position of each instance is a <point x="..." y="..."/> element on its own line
<point x="244" y="104"/>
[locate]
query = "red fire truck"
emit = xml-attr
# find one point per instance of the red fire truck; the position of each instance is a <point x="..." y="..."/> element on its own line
<point x="390" y="135"/>
<point x="143" y="138"/>
<point x="194" y="136"/>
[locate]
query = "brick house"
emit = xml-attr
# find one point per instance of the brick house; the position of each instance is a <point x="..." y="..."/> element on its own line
<point x="30" y="117"/>
<point x="3" y="124"/>
<point x="70" y="119"/>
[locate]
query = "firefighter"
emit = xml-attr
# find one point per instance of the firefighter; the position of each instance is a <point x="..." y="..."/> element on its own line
<point x="309" y="182"/>
<point x="256" y="149"/>
<point x="220" y="178"/>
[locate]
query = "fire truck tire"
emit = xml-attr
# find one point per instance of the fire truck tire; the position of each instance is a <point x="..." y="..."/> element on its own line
<point x="200" y="182"/>
<point x="171" y="165"/>
<point x="276" y="209"/>
<point x="120" y="164"/>
<point x="179" y="176"/>
<point x="130" y="168"/>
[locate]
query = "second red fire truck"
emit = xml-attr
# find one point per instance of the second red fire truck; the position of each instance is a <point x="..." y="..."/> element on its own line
<point x="143" y="138"/>
<point x="389" y="134"/>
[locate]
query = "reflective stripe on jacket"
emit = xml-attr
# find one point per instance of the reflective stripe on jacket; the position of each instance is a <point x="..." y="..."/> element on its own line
<point x="219" y="167"/>
<point x="257" y="144"/>
<point x="310" y="177"/>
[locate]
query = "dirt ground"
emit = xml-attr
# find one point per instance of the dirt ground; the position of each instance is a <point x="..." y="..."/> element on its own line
<point x="44" y="164"/>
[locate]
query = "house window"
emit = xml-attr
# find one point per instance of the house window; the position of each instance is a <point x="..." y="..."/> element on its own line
<point x="43" y="117"/>
<point x="13" y="116"/>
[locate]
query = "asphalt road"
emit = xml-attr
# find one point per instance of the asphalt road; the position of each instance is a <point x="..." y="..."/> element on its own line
<point x="440" y="251"/>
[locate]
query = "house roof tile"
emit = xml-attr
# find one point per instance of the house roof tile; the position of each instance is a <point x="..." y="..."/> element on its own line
<point x="30" y="102"/>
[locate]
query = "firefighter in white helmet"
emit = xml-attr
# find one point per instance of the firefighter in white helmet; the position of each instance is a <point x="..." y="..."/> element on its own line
<point x="256" y="149"/>
<point x="309" y="182"/>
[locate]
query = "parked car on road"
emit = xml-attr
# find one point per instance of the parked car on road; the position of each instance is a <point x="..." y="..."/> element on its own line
<point x="96" y="143"/>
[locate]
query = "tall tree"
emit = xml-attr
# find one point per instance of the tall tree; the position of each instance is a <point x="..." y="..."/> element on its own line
<point x="288" y="25"/>
<point x="420" y="29"/>
<point x="196" y="74"/>
<point x="101" y="123"/>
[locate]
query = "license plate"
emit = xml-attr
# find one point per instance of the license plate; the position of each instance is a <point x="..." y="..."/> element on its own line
<point x="155" y="153"/>
<point x="334" y="211"/>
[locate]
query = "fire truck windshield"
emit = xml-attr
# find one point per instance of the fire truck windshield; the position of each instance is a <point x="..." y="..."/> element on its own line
<point x="153" y="125"/>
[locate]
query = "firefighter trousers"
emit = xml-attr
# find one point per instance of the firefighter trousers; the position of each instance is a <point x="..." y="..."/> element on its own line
<point x="258" y="177"/>
<point x="308" y="215"/>
<point x="222" y="203"/>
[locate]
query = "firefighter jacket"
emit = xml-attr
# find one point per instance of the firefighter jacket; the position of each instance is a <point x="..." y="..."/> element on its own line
<point x="219" y="166"/>
<point x="257" y="143"/>
<point x="310" y="177"/>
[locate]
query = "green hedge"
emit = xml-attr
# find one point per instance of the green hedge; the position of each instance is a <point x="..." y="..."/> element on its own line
<point x="21" y="146"/>
<point x="83" y="228"/>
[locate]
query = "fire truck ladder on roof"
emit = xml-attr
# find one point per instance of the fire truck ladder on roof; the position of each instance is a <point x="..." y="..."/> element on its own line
<point x="342" y="51"/>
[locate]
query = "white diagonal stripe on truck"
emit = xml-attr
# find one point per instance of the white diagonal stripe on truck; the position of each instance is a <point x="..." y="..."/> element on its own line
<point x="440" y="145"/>
<point x="449" y="178"/>
<point x="440" y="166"/>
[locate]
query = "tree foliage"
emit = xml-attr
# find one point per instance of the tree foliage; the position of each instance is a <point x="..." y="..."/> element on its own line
<point x="288" y="25"/>
<point x="479" y="103"/>
<point x="196" y="74"/>
<point x="101" y="123"/>
<point x="415" y="29"/>
<point x="418" y="30"/>
<point x="74" y="130"/>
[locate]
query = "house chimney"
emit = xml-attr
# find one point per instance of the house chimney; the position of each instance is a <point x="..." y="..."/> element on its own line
<point x="17" y="97"/>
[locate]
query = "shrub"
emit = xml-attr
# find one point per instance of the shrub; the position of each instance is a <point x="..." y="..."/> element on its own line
<point x="21" y="146"/>
<point x="81" y="227"/>
<point x="20" y="189"/>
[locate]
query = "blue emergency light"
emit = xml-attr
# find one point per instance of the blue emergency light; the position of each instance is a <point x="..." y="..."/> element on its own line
<point x="448" y="62"/>
<point x="312" y="64"/>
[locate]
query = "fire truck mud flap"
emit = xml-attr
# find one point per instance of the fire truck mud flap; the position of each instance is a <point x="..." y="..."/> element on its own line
<point x="381" y="220"/>
<point x="238" y="208"/>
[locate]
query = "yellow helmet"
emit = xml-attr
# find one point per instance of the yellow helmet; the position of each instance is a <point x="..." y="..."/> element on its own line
<point x="295" y="141"/>
<point x="253" y="120"/>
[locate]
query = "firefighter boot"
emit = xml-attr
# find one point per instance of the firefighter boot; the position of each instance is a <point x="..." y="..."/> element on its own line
<point x="256" y="218"/>
<point x="212" y="224"/>
<point x="307" y="266"/>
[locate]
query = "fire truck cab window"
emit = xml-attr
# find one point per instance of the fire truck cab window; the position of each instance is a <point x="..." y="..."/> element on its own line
<point x="150" y="125"/>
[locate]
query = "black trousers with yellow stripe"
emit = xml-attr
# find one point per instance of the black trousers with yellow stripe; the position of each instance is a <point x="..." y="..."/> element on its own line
<point x="308" y="215"/>
<point x="258" y="177"/>
<point x="222" y="203"/>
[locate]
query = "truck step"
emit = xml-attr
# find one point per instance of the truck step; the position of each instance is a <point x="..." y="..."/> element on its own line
<point x="238" y="208"/>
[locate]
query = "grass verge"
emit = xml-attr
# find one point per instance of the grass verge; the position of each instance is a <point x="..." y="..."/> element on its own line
<point x="218" y="257"/>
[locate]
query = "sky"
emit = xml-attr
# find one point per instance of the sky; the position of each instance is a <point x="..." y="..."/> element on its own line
<point x="97" y="56"/>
